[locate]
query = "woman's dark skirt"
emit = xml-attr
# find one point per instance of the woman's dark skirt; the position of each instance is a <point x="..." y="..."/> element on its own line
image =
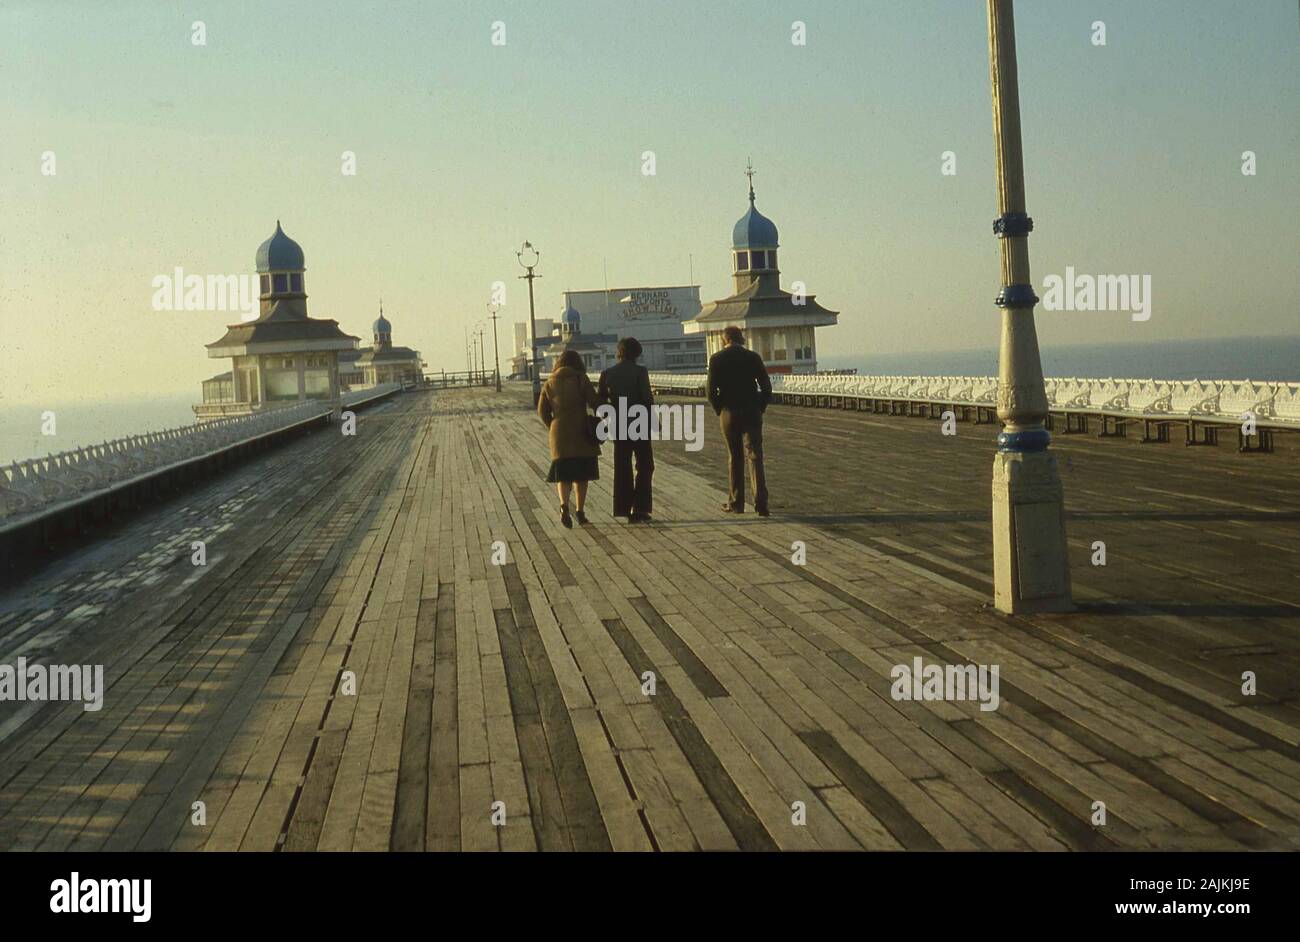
<point x="574" y="469"/>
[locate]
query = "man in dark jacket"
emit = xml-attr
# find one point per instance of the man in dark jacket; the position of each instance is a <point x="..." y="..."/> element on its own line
<point x="628" y="381"/>
<point x="739" y="391"/>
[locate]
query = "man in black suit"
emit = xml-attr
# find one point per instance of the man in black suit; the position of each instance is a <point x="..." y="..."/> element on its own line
<point x="739" y="391"/>
<point x="630" y="382"/>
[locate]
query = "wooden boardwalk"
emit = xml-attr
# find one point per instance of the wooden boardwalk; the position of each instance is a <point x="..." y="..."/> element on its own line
<point x="522" y="683"/>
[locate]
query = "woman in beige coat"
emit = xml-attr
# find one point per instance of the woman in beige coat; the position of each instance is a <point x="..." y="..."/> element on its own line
<point x="566" y="397"/>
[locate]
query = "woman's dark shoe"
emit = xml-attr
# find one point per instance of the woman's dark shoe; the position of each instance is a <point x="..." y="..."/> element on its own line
<point x="582" y="517"/>
<point x="564" y="516"/>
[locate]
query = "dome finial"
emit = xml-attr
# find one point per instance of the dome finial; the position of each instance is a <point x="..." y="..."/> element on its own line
<point x="753" y="230"/>
<point x="279" y="253"/>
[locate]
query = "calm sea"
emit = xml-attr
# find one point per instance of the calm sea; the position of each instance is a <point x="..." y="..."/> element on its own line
<point x="1258" y="358"/>
<point x="86" y="423"/>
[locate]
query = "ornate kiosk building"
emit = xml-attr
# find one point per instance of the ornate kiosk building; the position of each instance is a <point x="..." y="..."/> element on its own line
<point x="283" y="356"/>
<point x="596" y="350"/>
<point x="778" y="325"/>
<point x="384" y="363"/>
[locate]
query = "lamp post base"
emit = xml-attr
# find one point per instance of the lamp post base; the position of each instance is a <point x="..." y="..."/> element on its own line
<point x="1031" y="570"/>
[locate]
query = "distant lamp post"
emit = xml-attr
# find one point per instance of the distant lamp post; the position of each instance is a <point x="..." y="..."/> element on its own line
<point x="482" y="357"/>
<point x="528" y="259"/>
<point x="496" y="351"/>
<point x="1031" y="571"/>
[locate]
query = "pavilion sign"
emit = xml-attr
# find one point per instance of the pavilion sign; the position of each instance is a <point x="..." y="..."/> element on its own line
<point x="654" y="303"/>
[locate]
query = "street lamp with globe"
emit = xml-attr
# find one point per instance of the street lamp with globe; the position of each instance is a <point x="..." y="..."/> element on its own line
<point x="528" y="259"/>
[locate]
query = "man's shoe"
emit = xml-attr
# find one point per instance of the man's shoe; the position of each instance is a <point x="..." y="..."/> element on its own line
<point x="762" y="511"/>
<point x="731" y="509"/>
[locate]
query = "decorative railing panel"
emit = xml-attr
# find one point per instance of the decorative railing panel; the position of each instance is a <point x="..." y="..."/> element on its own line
<point x="38" y="484"/>
<point x="1273" y="404"/>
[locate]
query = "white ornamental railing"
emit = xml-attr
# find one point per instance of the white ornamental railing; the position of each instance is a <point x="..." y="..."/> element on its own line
<point x="1273" y="404"/>
<point x="358" y="397"/>
<point x="39" y="484"/>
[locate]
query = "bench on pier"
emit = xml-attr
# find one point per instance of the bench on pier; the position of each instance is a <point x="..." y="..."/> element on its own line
<point x="1202" y="408"/>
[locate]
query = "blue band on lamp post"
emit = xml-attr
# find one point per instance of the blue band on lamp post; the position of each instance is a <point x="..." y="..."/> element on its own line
<point x="1034" y="439"/>
<point x="1009" y="225"/>
<point x="1016" y="296"/>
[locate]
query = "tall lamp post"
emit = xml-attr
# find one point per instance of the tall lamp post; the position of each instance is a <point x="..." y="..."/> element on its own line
<point x="1031" y="571"/>
<point x="496" y="351"/>
<point x="528" y="259"/>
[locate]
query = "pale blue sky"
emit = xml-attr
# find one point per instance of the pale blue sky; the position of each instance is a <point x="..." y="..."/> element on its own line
<point x="169" y="155"/>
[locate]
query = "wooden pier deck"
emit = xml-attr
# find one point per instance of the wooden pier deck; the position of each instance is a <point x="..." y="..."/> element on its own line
<point x="521" y="683"/>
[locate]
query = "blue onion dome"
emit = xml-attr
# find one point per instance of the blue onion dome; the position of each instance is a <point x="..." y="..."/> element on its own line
<point x="279" y="253"/>
<point x="754" y="230"/>
<point x="381" y="325"/>
<point x="570" y="315"/>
